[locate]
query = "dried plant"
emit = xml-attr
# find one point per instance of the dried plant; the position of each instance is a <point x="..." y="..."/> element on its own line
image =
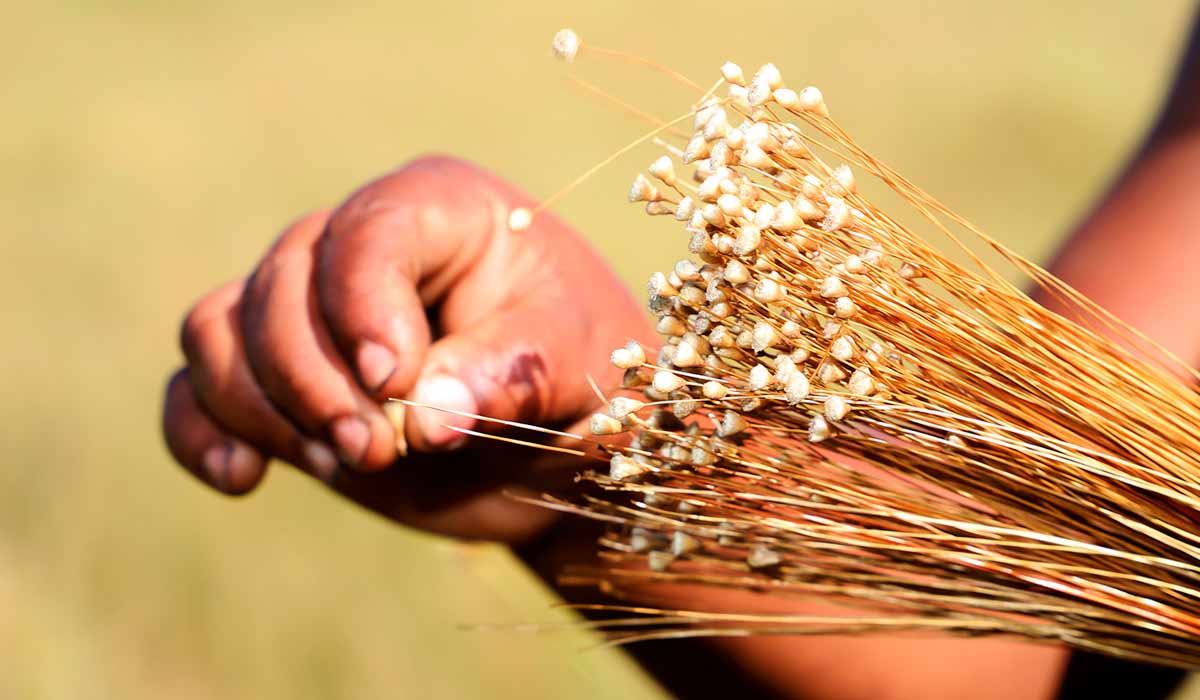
<point x="841" y="410"/>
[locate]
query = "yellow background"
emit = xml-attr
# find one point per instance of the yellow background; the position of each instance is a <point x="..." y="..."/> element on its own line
<point x="150" y="151"/>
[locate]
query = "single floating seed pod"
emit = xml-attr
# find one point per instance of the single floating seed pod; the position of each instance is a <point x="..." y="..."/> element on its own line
<point x="642" y="191"/>
<point x="565" y="45"/>
<point x="519" y="219"/>
<point x="685" y="209"/>
<point x="811" y="100"/>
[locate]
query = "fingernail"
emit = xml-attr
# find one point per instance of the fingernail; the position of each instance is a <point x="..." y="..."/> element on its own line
<point x="242" y="467"/>
<point x="352" y="437"/>
<point x="376" y="365"/>
<point x="320" y="459"/>
<point x="449" y="392"/>
<point x="216" y="465"/>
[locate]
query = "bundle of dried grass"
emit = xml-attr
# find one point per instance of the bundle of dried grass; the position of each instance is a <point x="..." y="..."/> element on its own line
<point x="841" y="410"/>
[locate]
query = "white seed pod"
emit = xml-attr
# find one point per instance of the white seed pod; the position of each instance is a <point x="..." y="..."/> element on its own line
<point x="769" y="74"/>
<point x="799" y="355"/>
<point x="629" y="357"/>
<point x="660" y="286"/>
<point x="764" y="215"/>
<point x="735" y="272"/>
<point x="756" y="157"/>
<point x="692" y="296"/>
<point x="811" y="100"/>
<point x="739" y="97"/>
<point x="686" y="356"/>
<point x="765" y="336"/>
<point x="683" y="409"/>
<point x="622" y="406"/>
<point x="831" y="329"/>
<point x="640" y="540"/>
<point x="768" y="291"/>
<point x="622" y="467"/>
<point x="732" y="73"/>
<point x="703" y="112"/>
<point x="806" y="210"/>
<point x="745" y="339"/>
<point x="603" y="424"/>
<point x="829" y="373"/>
<point x="670" y="325"/>
<point x="703" y="457"/>
<point x="701" y="244"/>
<point x="663" y="169"/>
<point x="854" y="264"/>
<point x="843" y="176"/>
<point x="642" y="191"/>
<point x="717" y="125"/>
<point x="710" y="188"/>
<point x="785" y="218"/>
<point x="797" y="387"/>
<point x="730" y="204"/>
<point x="836" y="408"/>
<point x="721" y="155"/>
<point x="844" y="307"/>
<point x="787" y="98"/>
<point x="666" y="354"/>
<point x="833" y="287"/>
<point x="714" y="390"/>
<point x="731" y="424"/>
<point x="873" y="255"/>
<point x="686" y="270"/>
<point x="956" y="442"/>
<point x="735" y="140"/>
<point x="818" y="429"/>
<point x="875" y="352"/>
<point x="696" y="149"/>
<point x="519" y="219"/>
<point x="720" y="337"/>
<point x="685" y="209"/>
<point x="795" y="147"/>
<point x="565" y="45"/>
<point x="683" y="543"/>
<point x="659" y="560"/>
<point x="713" y="215"/>
<point x="837" y="216"/>
<point x="666" y="381"/>
<point x="784" y="369"/>
<point x="720" y="310"/>
<point x="812" y="187"/>
<point x="759" y="92"/>
<point x="910" y="271"/>
<point x="760" y="378"/>
<point x="659" y="208"/>
<point x="842" y="348"/>
<point x="728" y="186"/>
<point x="861" y="383"/>
<point x="791" y="329"/>
<point x="748" y="239"/>
<point x="762" y="556"/>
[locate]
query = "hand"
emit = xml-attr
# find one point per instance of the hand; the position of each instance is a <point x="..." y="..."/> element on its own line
<point x="414" y="287"/>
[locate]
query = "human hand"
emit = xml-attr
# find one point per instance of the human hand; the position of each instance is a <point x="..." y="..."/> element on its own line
<point x="414" y="287"/>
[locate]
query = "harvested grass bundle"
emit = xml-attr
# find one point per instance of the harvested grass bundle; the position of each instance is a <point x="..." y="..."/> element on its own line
<point x="841" y="410"/>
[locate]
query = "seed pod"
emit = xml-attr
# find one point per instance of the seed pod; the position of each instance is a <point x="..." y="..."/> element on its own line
<point x="760" y="378"/>
<point x="819" y="429"/>
<point x="797" y="388"/>
<point x="666" y="381"/>
<point x="601" y="424"/>
<point x="621" y="406"/>
<point x="731" y="424"/>
<point x="714" y="390"/>
<point x="836" y="408"/>
<point x="621" y="467"/>
<point x="761" y="557"/>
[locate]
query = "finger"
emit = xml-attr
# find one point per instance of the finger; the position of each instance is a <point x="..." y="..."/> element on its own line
<point x="294" y="360"/>
<point x="224" y="385"/>
<point x="196" y="442"/>
<point x="395" y="247"/>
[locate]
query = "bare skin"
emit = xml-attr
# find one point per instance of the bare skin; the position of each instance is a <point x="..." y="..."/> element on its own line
<point x="412" y="287"/>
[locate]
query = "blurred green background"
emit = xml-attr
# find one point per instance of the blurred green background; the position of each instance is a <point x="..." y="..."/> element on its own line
<point x="152" y="150"/>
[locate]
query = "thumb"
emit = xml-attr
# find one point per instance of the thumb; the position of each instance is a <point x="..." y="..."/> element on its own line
<point x="525" y="364"/>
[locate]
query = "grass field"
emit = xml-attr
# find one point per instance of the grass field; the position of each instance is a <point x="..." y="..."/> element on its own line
<point x="151" y="150"/>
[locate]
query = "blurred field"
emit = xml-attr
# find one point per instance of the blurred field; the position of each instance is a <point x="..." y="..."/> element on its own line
<point x="152" y="150"/>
